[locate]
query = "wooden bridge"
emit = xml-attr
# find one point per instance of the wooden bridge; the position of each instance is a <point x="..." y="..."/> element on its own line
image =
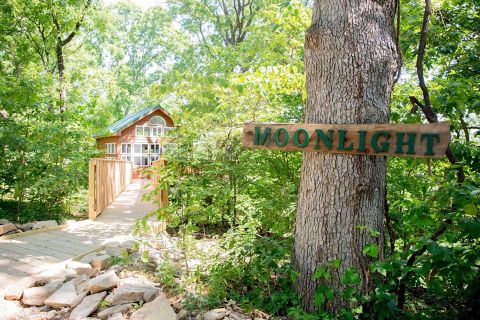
<point x="111" y="193"/>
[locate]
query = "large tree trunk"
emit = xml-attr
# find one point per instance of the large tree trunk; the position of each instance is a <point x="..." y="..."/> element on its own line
<point x="350" y="61"/>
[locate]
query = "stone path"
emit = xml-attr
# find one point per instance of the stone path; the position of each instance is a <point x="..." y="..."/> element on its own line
<point x="31" y="254"/>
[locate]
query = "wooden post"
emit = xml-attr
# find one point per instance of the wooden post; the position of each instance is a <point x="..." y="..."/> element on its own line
<point x="91" y="189"/>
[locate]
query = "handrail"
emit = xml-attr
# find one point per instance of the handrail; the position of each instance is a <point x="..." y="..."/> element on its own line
<point x="106" y="180"/>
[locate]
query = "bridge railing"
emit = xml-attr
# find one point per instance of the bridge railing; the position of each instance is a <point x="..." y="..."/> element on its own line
<point x="106" y="180"/>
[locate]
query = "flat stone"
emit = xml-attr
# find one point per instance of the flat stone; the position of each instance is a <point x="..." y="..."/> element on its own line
<point x="216" y="314"/>
<point x="100" y="261"/>
<point x="116" y="316"/>
<point x="95" y="272"/>
<point x="132" y="292"/>
<point x="44" y="224"/>
<point x="55" y="274"/>
<point x="69" y="295"/>
<point x="25" y="226"/>
<point x="36" y="296"/>
<point x="158" y="309"/>
<point x="4" y="221"/>
<point x="88" y="306"/>
<point x="15" y="290"/>
<point x="103" y="282"/>
<point x="121" y="308"/>
<point x="238" y="316"/>
<point x="80" y="268"/>
<point x="4" y="228"/>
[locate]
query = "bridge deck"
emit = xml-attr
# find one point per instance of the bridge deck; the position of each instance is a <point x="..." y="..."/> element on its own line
<point x="31" y="254"/>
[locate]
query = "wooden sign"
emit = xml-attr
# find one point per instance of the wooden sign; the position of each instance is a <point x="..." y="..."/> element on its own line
<point x="401" y="140"/>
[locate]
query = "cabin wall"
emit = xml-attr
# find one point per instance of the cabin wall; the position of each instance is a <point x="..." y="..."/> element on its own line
<point x="127" y="135"/>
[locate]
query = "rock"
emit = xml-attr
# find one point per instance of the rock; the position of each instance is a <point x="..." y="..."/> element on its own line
<point x="100" y="261"/>
<point x="36" y="296"/>
<point x="44" y="224"/>
<point x="80" y="268"/>
<point x="25" y="227"/>
<point x="15" y="291"/>
<point x="55" y="274"/>
<point x="113" y="249"/>
<point x="238" y="316"/>
<point x="116" y="316"/>
<point x="4" y="228"/>
<point x="158" y="309"/>
<point x="4" y="221"/>
<point x="95" y="272"/>
<point x="103" y="282"/>
<point x="216" y="314"/>
<point x="121" y="308"/>
<point x="69" y="295"/>
<point x="132" y="292"/>
<point x="182" y="314"/>
<point x="88" y="306"/>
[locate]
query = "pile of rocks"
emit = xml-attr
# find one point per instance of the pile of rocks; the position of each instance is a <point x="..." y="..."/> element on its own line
<point x="90" y="290"/>
<point x="6" y="227"/>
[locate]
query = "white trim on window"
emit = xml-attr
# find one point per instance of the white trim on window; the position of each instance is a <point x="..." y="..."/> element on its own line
<point x="110" y="148"/>
<point x="126" y="148"/>
<point x="126" y="158"/>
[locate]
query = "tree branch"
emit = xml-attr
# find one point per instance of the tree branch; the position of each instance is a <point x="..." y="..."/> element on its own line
<point x="432" y="117"/>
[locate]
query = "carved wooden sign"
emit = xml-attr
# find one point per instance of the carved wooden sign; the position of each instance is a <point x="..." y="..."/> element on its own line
<point x="401" y="140"/>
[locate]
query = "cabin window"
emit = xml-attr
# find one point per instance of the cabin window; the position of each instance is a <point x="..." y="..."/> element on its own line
<point x="110" y="148"/>
<point x="126" y="148"/>
<point x="139" y="131"/>
<point x="146" y="131"/>
<point x="155" y="148"/>
<point x="154" y="157"/>
<point x="126" y="158"/>
<point x="141" y="160"/>
<point x="157" y="121"/>
<point x="140" y="148"/>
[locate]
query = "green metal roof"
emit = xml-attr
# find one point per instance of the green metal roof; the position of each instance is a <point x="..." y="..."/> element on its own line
<point x="128" y="120"/>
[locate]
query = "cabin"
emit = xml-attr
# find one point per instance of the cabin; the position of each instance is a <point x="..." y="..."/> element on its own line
<point x="140" y="138"/>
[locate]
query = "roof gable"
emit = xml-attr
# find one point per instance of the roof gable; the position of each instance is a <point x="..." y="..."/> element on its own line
<point x="132" y="118"/>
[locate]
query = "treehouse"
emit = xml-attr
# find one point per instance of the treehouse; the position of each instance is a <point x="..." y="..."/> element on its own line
<point x="140" y="138"/>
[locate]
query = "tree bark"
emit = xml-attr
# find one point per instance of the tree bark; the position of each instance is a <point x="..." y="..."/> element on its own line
<point x="61" y="75"/>
<point x="351" y="62"/>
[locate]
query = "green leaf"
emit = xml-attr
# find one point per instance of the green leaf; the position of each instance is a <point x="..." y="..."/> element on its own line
<point x="470" y="209"/>
<point x="371" y="250"/>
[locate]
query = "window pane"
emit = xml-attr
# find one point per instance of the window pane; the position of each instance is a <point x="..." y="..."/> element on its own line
<point x="126" y="148"/>
<point x="145" y="148"/>
<point x="146" y="131"/>
<point x="145" y="160"/>
<point x="137" y="160"/>
<point x="137" y="148"/>
<point x="157" y="121"/>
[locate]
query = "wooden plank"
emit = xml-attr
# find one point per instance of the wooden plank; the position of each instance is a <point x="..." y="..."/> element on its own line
<point x="402" y="140"/>
<point x="91" y="189"/>
<point x="31" y="232"/>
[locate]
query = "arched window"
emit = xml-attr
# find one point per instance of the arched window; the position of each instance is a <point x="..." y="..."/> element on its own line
<point x="157" y="121"/>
